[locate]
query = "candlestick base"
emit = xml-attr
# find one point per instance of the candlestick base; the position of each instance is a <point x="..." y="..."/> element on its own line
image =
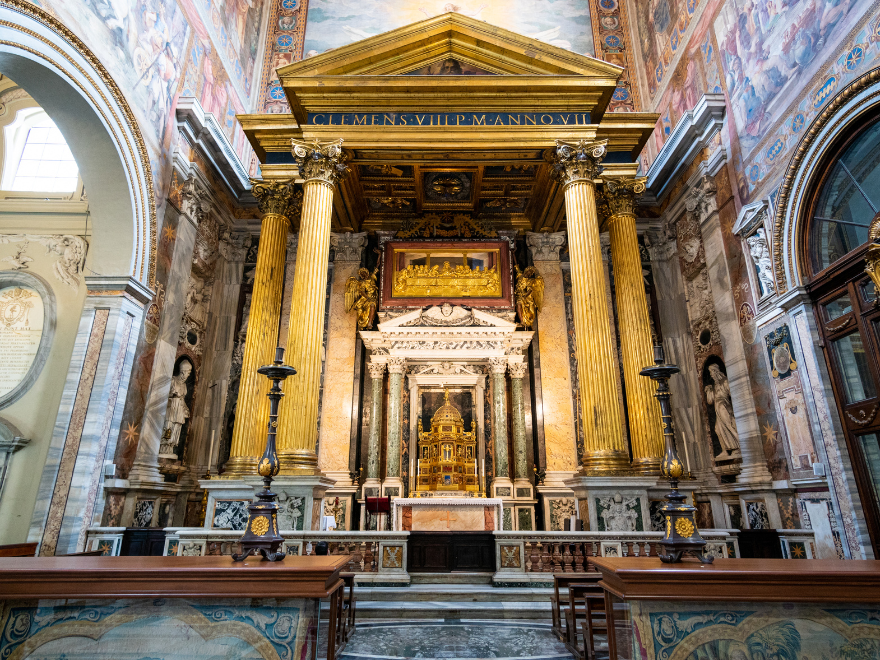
<point x="681" y="534"/>
<point x="261" y="534"/>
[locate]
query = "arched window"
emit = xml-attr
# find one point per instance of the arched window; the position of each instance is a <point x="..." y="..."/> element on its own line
<point x="846" y="200"/>
<point x="36" y="156"/>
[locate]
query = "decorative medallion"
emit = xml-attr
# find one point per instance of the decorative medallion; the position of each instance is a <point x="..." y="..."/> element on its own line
<point x="684" y="527"/>
<point x="260" y="525"/>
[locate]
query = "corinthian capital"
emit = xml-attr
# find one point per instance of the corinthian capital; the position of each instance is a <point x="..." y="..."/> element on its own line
<point x="273" y="197"/>
<point x="377" y="369"/>
<point x="517" y="369"/>
<point x="621" y="192"/>
<point x="348" y="246"/>
<point x="577" y="161"/>
<point x="320" y="161"/>
<point x="498" y="365"/>
<point x="396" y="365"/>
<point x="545" y="246"/>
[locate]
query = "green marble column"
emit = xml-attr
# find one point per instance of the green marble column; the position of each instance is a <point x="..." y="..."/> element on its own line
<point x="396" y="367"/>
<point x="517" y="372"/>
<point x="377" y="373"/>
<point x="499" y="406"/>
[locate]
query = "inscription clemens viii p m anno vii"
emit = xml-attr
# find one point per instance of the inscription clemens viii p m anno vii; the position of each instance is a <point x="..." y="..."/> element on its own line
<point x="421" y="119"/>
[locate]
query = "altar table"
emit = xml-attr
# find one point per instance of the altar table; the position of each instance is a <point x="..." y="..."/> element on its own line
<point x="175" y="608"/>
<point x="446" y="514"/>
<point x="741" y="609"/>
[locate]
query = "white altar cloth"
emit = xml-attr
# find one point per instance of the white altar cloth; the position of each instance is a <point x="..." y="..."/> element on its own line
<point x="446" y="514"/>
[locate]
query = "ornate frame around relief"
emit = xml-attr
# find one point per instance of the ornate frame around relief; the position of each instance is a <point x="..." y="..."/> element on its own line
<point x="19" y="278"/>
<point x="502" y="247"/>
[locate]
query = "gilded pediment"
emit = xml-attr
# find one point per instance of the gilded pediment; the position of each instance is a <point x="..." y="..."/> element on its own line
<point x="430" y="47"/>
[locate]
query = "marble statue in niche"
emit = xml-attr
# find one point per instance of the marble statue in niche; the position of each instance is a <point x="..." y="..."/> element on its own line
<point x="760" y="253"/>
<point x="178" y="410"/>
<point x="721" y="418"/>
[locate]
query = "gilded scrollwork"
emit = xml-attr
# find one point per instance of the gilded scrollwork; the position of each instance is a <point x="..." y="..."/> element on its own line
<point x="577" y="161"/>
<point x="872" y="257"/>
<point x="320" y="161"/>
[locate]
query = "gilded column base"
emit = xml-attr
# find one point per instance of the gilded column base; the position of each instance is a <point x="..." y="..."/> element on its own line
<point x="240" y="466"/>
<point x="298" y="461"/>
<point x="605" y="462"/>
<point x="648" y="466"/>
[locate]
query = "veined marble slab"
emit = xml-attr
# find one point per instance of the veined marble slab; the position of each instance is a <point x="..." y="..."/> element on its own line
<point x="442" y="514"/>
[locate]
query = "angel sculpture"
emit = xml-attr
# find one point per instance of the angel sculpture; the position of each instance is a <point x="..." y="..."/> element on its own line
<point x="529" y="295"/>
<point x="362" y="295"/>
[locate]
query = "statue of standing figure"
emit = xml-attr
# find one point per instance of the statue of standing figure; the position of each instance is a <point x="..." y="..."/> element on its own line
<point x="178" y="412"/>
<point x="718" y="395"/>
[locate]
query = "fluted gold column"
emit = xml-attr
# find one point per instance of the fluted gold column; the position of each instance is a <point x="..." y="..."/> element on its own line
<point x="576" y="166"/>
<point x="275" y="200"/>
<point x="321" y="165"/>
<point x="636" y="343"/>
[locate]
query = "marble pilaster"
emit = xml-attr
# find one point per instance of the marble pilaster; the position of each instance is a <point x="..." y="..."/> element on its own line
<point x="396" y="367"/>
<point x="701" y="202"/>
<point x="559" y="427"/>
<point x="336" y="418"/>
<point x="69" y="497"/>
<point x="146" y="463"/>
<point x="213" y="385"/>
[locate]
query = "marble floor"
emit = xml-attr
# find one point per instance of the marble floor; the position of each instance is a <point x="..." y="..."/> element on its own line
<point x="453" y="638"/>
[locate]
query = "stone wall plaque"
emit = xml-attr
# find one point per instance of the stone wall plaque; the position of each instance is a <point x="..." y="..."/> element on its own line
<point x="27" y="323"/>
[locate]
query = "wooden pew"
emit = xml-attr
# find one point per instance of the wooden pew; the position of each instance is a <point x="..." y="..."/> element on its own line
<point x="595" y="630"/>
<point x="560" y="597"/>
<point x="579" y="596"/>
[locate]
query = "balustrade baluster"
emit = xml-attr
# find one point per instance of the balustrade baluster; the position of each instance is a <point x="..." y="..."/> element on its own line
<point x="567" y="558"/>
<point x="578" y="558"/>
<point x="546" y="564"/>
<point x="557" y="558"/>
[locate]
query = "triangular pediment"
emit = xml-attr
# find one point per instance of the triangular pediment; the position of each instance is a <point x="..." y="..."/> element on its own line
<point x="473" y="43"/>
<point x="429" y="65"/>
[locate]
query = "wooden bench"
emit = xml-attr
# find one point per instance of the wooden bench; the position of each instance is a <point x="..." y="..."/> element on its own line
<point x="558" y="600"/>
<point x="595" y="630"/>
<point x="582" y="598"/>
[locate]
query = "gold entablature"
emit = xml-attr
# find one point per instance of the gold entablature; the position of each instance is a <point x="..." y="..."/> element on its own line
<point x="369" y="77"/>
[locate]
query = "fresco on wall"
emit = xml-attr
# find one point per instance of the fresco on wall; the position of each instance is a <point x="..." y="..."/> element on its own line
<point x="335" y="23"/>
<point x="234" y="26"/>
<point x="142" y="46"/>
<point x="661" y="25"/>
<point x="770" y="49"/>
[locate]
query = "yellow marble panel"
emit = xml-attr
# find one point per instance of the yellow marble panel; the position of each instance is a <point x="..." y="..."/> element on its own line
<point x="448" y="518"/>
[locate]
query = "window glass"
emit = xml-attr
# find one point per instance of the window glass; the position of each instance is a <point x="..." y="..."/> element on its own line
<point x="46" y="164"/>
<point x="853" y="365"/>
<point x="839" y="307"/>
<point x="848" y="201"/>
<point x="871" y="450"/>
<point x="869" y="291"/>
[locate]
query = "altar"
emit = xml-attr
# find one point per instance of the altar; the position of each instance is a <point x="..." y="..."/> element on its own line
<point x="446" y="514"/>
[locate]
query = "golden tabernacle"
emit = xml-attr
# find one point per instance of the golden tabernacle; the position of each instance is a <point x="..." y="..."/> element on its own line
<point x="447" y="454"/>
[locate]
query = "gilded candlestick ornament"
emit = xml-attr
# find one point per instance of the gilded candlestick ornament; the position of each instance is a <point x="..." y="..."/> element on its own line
<point x="872" y="257"/>
<point x="529" y="294"/>
<point x="681" y="529"/>
<point x="362" y="296"/>
<point x="261" y="534"/>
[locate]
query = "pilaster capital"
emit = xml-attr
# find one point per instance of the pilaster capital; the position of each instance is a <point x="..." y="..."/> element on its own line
<point x="701" y="199"/>
<point x="498" y="365"/>
<point x="349" y="247"/>
<point x="233" y="245"/>
<point x="577" y="161"/>
<point x="517" y="369"/>
<point x="545" y="246"/>
<point x="192" y="199"/>
<point x="396" y="365"/>
<point x="377" y="369"/>
<point x="274" y="197"/>
<point x="320" y="161"/>
<point x="620" y="194"/>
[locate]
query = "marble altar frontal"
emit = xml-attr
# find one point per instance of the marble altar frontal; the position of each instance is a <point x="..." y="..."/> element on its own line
<point x="447" y="514"/>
